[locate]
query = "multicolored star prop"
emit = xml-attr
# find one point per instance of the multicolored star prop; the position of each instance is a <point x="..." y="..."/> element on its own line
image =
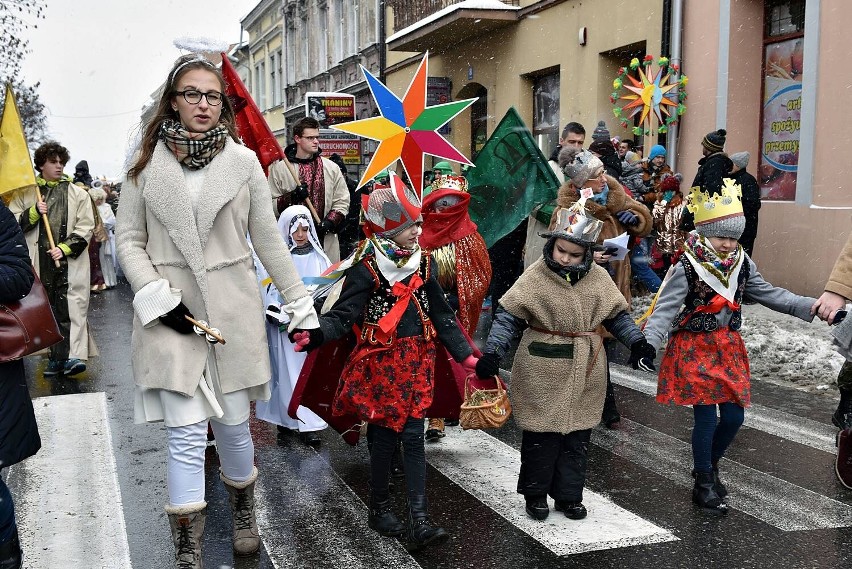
<point x="662" y="93"/>
<point x="407" y="129"/>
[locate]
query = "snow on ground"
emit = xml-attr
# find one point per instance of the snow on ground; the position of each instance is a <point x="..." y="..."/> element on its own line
<point x="782" y="348"/>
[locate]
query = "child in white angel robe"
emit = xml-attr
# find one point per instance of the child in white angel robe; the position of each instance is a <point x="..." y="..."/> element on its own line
<point x="297" y="228"/>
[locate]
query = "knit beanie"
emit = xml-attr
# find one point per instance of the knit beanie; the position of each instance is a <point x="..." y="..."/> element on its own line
<point x="601" y="133"/>
<point x="726" y="227"/>
<point x="656" y="150"/>
<point x="740" y="159"/>
<point x="671" y="183"/>
<point x="579" y="165"/>
<point x="715" y="141"/>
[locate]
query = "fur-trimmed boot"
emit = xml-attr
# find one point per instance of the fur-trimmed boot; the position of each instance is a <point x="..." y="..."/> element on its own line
<point x="241" y="498"/>
<point x="187" y="524"/>
<point x="420" y="530"/>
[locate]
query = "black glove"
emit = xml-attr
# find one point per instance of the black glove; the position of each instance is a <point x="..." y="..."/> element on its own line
<point x="175" y="320"/>
<point x="316" y="335"/>
<point x="488" y="365"/>
<point x="325" y="227"/>
<point x="642" y="356"/>
<point x="300" y="194"/>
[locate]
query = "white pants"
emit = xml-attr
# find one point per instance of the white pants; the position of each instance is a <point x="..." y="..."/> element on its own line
<point x="187" y="445"/>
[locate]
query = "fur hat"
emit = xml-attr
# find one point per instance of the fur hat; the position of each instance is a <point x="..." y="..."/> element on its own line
<point x="390" y="210"/>
<point x="579" y="165"/>
<point x="740" y="159"/>
<point x="715" y="141"/>
<point x="656" y="150"/>
<point x="601" y="133"/>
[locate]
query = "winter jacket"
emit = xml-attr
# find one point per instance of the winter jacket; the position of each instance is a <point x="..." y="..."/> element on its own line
<point x="204" y="255"/>
<point x="18" y="430"/>
<point x="617" y="200"/>
<point x="840" y="281"/>
<point x="751" y="206"/>
<point x="651" y="178"/>
<point x="712" y="170"/>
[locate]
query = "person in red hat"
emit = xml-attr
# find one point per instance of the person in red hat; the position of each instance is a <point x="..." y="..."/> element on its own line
<point x="461" y="257"/>
<point x="392" y="299"/>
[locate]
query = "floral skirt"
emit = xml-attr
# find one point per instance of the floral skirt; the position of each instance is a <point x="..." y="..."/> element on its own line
<point x="387" y="386"/>
<point x="705" y="368"/>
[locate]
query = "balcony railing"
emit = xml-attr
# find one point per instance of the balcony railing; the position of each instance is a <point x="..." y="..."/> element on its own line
<point x="408" y="12"/>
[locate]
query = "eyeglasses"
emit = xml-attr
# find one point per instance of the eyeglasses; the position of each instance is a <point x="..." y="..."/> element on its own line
<point x="193" y="97"/>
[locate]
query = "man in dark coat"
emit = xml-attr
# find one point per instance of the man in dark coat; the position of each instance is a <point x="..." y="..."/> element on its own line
<point x="713" y="168"/>
<point x="18" y="430"/>
<point x="750" y="199"/>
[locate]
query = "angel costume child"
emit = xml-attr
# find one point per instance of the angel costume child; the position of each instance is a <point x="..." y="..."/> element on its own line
<point x="560" y="305"/>
<point x="299" y="233"/>
<point x="393" y="301"/>
<point x="705" y="363"/>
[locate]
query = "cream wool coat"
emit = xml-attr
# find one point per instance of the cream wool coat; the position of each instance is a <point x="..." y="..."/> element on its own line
<point x="80" y="221"/>
<point x="553" y="390"/>
<point x="206" y="256"/>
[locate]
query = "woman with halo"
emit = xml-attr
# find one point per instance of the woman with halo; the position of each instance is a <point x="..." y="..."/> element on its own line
<point x="192" y="195"/>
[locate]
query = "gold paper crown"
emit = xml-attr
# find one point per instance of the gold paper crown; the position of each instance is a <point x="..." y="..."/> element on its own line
<point x="708" y="208"/>
<point x="450" y="182"/>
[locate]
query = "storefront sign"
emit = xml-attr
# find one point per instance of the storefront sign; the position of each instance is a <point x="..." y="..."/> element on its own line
<point x="347" y="146"/>
<point x="779" y="153"/>
<point x="330" y="108"/>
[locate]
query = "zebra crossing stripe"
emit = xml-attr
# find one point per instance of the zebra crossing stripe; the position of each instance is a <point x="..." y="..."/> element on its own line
<point x="774" y="501"/>
<point x="488" y="469"/>
<point x="819" y="436"/>
<point x="67" y="496"/>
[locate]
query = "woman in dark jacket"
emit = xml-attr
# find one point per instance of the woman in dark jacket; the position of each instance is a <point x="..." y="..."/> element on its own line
<point x="18" y="430"/>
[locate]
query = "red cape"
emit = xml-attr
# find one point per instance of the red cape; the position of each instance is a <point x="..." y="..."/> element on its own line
<point x="320" y="376"/>
<point x="450" y="225"/>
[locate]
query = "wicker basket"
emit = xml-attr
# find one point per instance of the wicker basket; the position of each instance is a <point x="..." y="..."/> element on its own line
<point x="484" y="408"/>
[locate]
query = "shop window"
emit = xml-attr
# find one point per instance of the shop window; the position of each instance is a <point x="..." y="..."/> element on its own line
<point x="546" y="111"/>
<point x="782" y="98"/>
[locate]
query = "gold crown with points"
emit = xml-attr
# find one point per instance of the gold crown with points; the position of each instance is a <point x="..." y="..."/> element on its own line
<point x="450" y="182"/>
<point x="707" y="208"/>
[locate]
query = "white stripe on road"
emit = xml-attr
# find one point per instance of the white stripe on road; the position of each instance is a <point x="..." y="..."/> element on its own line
<point x="774" y="501"/>
<point x="67" y="496"/>
<point x="488" y="469"/>
<point x="800" y="430"/>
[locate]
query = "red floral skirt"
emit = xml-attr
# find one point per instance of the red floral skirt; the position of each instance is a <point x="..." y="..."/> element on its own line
<point x="387" y="386"/>
<point x="705" y="368"/>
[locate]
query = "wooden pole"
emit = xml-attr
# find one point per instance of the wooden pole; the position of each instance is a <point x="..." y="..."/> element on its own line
<point x="308" y="199"/>
<point x="47" y="226"/>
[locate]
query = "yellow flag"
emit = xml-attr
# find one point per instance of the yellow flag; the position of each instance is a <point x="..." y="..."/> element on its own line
<point x="16" y="169"/>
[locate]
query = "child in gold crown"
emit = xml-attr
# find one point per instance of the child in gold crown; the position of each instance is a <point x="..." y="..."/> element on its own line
<point x="705" y="364"/>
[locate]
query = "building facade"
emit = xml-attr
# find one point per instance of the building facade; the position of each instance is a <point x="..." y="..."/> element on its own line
<point x="768" y="72"/>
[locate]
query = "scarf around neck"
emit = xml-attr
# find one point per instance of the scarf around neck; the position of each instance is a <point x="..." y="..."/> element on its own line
<point x="53" y="183"/>
<point x="195" y="150"/>
<point x="719" y="273"/>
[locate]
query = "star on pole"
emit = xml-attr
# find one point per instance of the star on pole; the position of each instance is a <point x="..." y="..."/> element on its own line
<point x="407" y="129"/>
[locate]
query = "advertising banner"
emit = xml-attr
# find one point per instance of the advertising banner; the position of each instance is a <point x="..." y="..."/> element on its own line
<point x="330" y="108"/>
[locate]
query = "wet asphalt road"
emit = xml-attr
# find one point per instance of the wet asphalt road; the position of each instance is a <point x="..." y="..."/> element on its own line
<point x="311" y="504"/>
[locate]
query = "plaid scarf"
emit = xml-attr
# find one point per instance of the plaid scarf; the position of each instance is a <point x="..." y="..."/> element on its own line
<point x="195" y="150"/>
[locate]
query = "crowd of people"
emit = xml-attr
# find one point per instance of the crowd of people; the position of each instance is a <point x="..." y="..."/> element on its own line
<point x="283" y="264"/>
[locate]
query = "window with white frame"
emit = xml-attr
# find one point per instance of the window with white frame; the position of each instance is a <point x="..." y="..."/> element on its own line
<point x="322" y="39"/>
<point x="290" y="42"/>
<point x="279" y="88"/>
<point x="273" y="77"/>
<point x="339" y="31"/>
<point x="260" y="85"/>
<point x="304" y="68"/>
<point x="351" y="27"/>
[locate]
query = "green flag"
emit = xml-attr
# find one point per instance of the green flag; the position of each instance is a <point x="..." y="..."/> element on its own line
<point x="511" y="177"/>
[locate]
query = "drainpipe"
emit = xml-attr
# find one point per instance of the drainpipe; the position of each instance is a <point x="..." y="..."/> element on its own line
<point x="675" y="58"/>
<point x="382" y="36"/>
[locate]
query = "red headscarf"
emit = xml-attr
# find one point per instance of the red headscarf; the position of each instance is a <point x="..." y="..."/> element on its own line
<point x="450" y="225"/>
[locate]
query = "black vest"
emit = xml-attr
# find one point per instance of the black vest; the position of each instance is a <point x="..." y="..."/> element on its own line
<point x="700" y="294"/>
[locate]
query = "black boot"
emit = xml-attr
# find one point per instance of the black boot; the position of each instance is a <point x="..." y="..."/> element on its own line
<point x="572" y="510"/>
<point x="10" y="553"/>
<point x="610" y="416"/>
<point x="420" y="531"/>
<point x="717" y="482"/>
<point x="537" y="507"/>
<point x="382" y="519"/>
<point x="842" y="417"/>
<point x="705" y="496"/>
